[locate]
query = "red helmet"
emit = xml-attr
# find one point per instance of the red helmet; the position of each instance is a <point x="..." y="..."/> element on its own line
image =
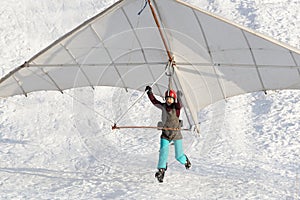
<point x="170" y="93"/>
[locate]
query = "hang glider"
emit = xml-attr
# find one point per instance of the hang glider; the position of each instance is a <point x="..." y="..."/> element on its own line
<point x="215" y="58"/>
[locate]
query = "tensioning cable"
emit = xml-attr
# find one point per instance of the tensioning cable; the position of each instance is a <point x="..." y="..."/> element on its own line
<point x="139" y="98"/>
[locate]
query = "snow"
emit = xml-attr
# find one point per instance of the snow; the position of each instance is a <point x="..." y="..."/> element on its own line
<point x="55" y="146"/>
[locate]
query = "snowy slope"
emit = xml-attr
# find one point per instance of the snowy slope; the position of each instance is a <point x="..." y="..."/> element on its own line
<point x="55" y="146"/>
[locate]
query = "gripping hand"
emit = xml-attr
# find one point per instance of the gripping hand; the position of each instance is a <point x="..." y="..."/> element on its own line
<point x="148" y="89"/>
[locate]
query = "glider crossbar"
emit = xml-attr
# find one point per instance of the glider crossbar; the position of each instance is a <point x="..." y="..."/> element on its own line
<point x="114" y="127"/>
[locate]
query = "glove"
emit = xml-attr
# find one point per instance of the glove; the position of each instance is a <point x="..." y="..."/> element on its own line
<point x="148" y="89"/>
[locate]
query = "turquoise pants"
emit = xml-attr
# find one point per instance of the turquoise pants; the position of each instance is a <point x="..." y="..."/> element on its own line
<point x="164" y="153"/>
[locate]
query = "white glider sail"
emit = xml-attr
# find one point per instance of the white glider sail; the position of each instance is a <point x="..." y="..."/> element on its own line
<point x="215" y="58"/>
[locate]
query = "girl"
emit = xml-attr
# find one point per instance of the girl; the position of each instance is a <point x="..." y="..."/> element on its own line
<point x="171" y="130"/>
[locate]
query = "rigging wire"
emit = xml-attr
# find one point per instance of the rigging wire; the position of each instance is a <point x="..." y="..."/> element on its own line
<point x="90" y="108"/>
<point x="72" y="96"/>
<point x="139" y="98"/>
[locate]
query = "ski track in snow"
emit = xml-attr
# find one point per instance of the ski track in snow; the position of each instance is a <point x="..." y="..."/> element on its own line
<point x="55" y="146"/>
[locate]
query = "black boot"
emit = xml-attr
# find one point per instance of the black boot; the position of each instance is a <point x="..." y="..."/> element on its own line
<point x="160" y="175"/>
<point x="188" y="164"/>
